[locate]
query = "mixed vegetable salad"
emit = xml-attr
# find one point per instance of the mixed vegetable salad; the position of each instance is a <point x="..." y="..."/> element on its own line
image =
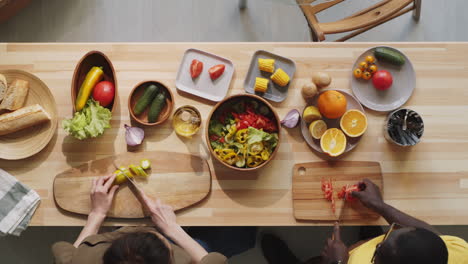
<point x="243" y="133"/>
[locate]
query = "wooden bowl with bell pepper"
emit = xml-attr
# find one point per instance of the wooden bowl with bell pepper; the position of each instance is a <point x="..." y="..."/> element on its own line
<point x="94" y="77"/>
<point x="243" y="132"/>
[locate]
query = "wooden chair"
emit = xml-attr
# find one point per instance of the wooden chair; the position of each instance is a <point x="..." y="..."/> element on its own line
<point x="359" y="22"/>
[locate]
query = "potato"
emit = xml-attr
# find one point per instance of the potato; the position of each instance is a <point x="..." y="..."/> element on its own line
<point x="321" y="79"/>
<point x="309" y="90"/>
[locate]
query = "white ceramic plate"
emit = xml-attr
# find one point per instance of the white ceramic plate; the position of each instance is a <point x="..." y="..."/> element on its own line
<point x="352" y="103"/>
<point x="203" y="86"/>
<point x="404" y="82"/>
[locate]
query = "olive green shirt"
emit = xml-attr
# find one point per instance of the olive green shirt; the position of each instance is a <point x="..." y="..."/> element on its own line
<point x="92" y="249"/>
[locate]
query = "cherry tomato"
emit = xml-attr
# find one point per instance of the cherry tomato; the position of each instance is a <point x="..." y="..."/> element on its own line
<point x="373" y="68"/>
<point x="363" y="65"/>
<point x="196" y="68"/>
<point x="357" y="73"/>
<point x="104" y="93"/>
<point x="366" y="75"/>
<point x="216" y="71"/>
<point x="382" y="80"/>
<point x="370" y="59"/>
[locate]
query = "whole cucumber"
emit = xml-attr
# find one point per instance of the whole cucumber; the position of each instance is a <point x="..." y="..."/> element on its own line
<point x="150" y="92"/>
<point x="156" y="106"/>
<point x="389" y="55"/>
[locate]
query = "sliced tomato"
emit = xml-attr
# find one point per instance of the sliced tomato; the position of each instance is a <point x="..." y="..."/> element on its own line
<point x="196" y="68"/>
<point x="216" y="71"/>
<point x="327" y="188"/>
<point x="347" y="192"/>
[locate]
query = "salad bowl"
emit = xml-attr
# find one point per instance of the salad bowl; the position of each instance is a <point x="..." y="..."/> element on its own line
<point x="243" y="132"/>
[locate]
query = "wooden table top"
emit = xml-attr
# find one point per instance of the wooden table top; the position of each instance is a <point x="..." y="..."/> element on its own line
<point x="428" y="181"/>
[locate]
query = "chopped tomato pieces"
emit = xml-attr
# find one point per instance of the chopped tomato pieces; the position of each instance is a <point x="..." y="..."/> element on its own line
<point x="347" y="192"/>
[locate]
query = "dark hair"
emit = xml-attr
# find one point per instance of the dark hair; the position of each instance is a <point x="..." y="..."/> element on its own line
<point x="138" y="248"/>
<point x="416" y="246"/>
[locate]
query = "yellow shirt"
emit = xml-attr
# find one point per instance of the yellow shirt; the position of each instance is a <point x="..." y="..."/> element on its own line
<point x="457" y="251"/>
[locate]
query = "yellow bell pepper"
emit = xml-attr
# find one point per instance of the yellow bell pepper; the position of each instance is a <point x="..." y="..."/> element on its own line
<point x="265" y="154"/>
<point x="254" y="161"/>
<point x="241" y="136"/>
<point x="119" y="177"/>
<point x="226" y="151"/>
<point x="92" y="78"/>
<point x="230" y="158"/>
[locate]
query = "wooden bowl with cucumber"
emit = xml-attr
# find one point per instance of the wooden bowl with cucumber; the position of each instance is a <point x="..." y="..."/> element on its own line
<point x="94" y="76"/>
<point x="150" y="103"/>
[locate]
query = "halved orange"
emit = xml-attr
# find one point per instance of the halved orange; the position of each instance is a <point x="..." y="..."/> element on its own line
<point x="353" y="123"/>
<point x="333" y="142"/>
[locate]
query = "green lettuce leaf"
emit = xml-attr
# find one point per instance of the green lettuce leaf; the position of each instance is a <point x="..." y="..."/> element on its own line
<point x="255" y="135"/>
<point x="89" y="122"/>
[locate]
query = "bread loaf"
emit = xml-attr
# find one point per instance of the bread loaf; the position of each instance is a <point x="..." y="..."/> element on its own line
<point x="3" y="86"/>
<point x="22" y="118"/>
<point x="15" y="95"/>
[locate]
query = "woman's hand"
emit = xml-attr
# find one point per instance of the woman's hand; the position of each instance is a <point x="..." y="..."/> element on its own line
<point x="335" y="250"/>
<point x="102" y="194"/>
<point x="162" y="215"/>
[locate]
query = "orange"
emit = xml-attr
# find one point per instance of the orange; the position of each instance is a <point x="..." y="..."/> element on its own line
<point x="332" y="104"/>
<point x="353" y="123"/>
<point x="333" y="142"/>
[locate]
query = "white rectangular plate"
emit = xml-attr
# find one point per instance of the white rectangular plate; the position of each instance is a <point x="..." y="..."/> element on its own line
<point x="203" y="86"/>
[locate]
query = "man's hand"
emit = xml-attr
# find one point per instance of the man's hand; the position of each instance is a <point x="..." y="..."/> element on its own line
<point x="102" y="193"/>
<point x="370" y="195"/>
<point x="335" y="250"/>
<point x="162" y="215"/>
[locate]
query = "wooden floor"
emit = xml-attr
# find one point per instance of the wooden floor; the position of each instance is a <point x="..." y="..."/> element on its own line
<point x="206" y="20"/>
<point x="215" y="20"/>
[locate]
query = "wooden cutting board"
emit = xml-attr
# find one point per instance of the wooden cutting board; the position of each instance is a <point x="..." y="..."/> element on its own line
<point x="178" y="179"/>
<point x="308" y="199"/>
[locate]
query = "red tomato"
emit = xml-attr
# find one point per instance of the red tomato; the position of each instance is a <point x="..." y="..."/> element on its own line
<point x="104" y="93"/>
<point x="196" y="68"/>
<point x="216" y="71"/>
<point x="347" y="192"/>
<point x="382" y="80"/>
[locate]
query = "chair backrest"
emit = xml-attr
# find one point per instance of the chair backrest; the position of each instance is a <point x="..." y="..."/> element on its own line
<point x="367" y="18"/>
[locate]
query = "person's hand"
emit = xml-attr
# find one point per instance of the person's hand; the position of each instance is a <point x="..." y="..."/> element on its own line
<point x="162" y="215"/>
<point x="369" y="195"/>
<point x="102" y="193"/>
<point x="335" y="250"/>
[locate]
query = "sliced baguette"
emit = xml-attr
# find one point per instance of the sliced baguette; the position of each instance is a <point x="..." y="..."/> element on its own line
<point x="15" y="95"/>
<point x="3" y="86"/>
<point x="22" y="118"/>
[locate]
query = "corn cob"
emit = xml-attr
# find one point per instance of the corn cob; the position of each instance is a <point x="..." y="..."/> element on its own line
<point x="261" y="85"/>
<point x="280" y="77"/>
<point x="266" y="65"/>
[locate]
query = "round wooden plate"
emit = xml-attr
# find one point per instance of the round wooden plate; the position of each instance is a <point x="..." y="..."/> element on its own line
<point x="28" y="142"/>
<point x="404" y="83"/>
<point x="352" y="103"/>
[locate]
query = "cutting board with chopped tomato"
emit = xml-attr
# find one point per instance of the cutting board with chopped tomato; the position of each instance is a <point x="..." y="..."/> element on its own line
<point x="178" y="179"/>
<point x="309" y="202"/>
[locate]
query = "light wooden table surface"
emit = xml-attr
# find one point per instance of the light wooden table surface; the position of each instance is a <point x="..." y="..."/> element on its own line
<point x="429" y="181"/>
